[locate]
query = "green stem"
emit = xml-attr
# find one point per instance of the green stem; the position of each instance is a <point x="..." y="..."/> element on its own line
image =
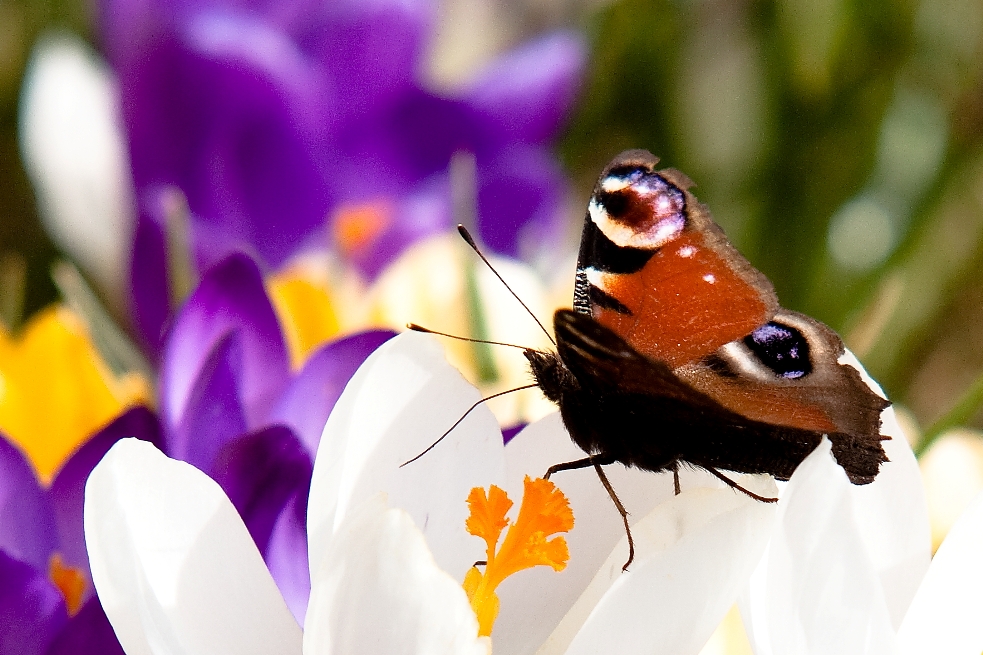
<point x="120" y="354"/>
<point x="964" y="409"/>
<point x="180" y="266"/>
<point x="13" y="283"/>
<point x="484" y="360"/>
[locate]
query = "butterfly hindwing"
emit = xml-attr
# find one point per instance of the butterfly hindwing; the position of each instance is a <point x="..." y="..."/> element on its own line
<point x="636" y="410"/>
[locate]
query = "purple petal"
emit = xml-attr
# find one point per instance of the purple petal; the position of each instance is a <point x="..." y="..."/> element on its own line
<point x="526" y="94"/>
<point x="67" y="492"/>
<point x="521" y="201"/>
<point x="508" y="434"/>
<point x="260" y="473"/>
<point x="126" y="25"/>
<point x="27" y="522"/>
<point x="214" y="415"/>
<point x="231" y="296"/>
<point x="312" y="394"/>
<point x="403" y="144"/>
<point x="32" y="611"/>
<point x="87" y="633"/>
<point x="149" y="285"/>
<point x="370" y="48"/>
<point x="286" y="556"/>
<point x="230" y="111"/>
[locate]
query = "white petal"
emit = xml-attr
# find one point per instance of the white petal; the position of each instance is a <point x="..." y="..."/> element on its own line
<point x="892" y="518"/>
<point x="74" y="150"/>
<point x="173" y="564"/>
<point x="378" y="590"/>
<point x="534" y="601"/>
<point x="694" y="555"/>
<point x="816" y="590"/>
<point x="892" y="514"/>
<point x="945" y="615"/>
<point x="397" y="404"/>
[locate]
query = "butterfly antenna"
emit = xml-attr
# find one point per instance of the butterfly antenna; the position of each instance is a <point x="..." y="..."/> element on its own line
<point x="420" y="328"/>
<point x="474" y="246"/>
<point x="464" y="416"/>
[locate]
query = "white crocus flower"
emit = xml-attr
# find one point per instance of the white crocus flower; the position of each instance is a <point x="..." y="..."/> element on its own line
<point x="177" y="572"/>
<point x="72" y="141"/>
<point x="845" y="571"/>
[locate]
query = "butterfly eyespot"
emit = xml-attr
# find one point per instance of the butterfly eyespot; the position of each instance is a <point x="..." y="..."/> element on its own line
<point x="781" y="348"/>
<point x="640" y="210"/>
<point x="615" y="203"/>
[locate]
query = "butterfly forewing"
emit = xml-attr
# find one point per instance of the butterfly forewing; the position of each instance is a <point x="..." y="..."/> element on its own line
<point x="678" y="292"/>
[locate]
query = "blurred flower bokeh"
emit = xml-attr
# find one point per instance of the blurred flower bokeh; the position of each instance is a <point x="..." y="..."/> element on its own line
<point x="213" y="212"/>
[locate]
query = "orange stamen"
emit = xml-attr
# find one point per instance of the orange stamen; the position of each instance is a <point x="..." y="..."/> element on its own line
<point x="70" y="582"/>
<point x="356" y="227"/>
<point x="544" y="512"/>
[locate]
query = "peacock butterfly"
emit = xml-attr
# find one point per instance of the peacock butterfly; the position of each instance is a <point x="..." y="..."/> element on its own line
<point x="677" y="351"/>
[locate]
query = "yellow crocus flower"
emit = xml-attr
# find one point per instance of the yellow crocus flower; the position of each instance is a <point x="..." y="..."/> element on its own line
<point x="55" y="390"/>
<point x="306" y="313"/>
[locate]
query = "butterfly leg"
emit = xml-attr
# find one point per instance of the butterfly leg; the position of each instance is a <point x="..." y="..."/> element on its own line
<point x="621" y="510"/>
<point x="597" y="462"/>
<point x="734" y="485"/>
<point x="569" y="466"/>
<point x="675" y="477"/>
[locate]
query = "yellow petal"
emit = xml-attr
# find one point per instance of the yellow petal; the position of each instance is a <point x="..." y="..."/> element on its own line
<point x="729" y="638"/>
<point x="55" y="390"/>
<point x="306" y="313"/>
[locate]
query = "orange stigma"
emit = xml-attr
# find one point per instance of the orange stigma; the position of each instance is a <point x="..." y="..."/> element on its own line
<point x="545" y="511"/>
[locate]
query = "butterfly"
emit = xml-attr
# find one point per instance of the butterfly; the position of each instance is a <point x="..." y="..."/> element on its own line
<point x="676" y="351"/>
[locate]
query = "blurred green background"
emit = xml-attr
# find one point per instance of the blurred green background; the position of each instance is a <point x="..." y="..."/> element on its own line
<point x="839" y="144"/>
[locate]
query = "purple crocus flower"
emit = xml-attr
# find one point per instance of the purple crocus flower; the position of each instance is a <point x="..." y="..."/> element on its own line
<point x="231" y="407"/>
<point x="39" y="526"/>
<point x="276" y="121"/>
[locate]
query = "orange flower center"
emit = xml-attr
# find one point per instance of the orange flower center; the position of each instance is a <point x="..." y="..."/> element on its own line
<point x="356" y="227"/>
<point x="70" y="582"/>
<point x="545" y="511"/>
